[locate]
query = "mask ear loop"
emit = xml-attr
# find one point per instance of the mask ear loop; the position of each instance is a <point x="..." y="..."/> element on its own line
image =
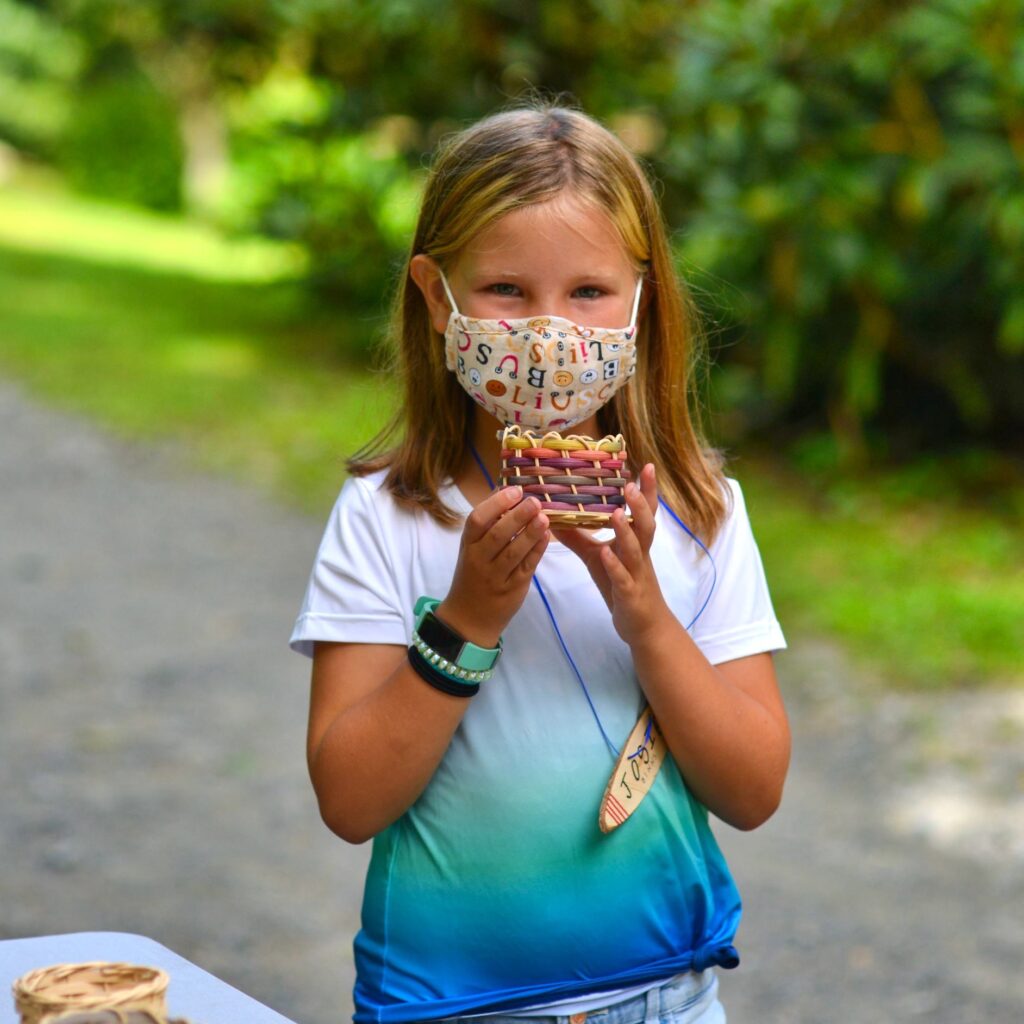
<point x="636" y="303"/>
<point x="448" y="292"/>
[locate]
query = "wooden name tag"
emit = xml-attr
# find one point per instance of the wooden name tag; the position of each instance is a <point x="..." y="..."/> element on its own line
<point x="634" y="773"/>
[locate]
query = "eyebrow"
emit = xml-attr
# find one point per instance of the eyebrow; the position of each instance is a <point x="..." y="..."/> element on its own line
<point x="574" y="282"/>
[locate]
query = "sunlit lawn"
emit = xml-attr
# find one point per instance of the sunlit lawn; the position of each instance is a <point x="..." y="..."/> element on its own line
<point x="160" y="330"/>
<point x="931" y="594"/>
<point x="191" y="342"/>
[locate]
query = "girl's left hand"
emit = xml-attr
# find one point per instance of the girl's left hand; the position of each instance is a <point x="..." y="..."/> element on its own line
<point x="622" y="567"/>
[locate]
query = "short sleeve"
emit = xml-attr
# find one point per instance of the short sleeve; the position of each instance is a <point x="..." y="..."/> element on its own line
<point x="352" y="594"/>
<point x="738" y="619"/>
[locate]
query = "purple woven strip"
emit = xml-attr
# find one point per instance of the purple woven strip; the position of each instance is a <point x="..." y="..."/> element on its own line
<point x="568" y="463"/>
<point x="548" y="489"/>
<point x="581" y="499"/>
<point x="597" y="489"/>
<point x="564" y="506"/>
<point x="534" y="470"/>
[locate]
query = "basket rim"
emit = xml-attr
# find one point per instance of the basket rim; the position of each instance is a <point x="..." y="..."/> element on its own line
<point x="100" y="984"/>
<point x="515" y="436"/>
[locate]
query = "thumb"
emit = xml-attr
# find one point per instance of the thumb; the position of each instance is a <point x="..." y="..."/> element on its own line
<point x="578" y="541"/>
<point x="588" y="549"/>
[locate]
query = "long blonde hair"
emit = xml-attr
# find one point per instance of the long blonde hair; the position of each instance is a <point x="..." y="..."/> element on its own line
<point x="515" y="159"/>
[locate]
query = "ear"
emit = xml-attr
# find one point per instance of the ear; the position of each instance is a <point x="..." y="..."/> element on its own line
<point x="426" y="274"/>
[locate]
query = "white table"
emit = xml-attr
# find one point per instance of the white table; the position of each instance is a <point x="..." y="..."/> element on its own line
<point x="193" y="993"/>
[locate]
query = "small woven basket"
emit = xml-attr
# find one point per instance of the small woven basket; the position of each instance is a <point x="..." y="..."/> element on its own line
<point x="579" y="481"/>
<point x="63" y="988"/>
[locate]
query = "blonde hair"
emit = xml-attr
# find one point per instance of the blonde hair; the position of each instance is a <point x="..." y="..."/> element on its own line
<point x="515" y="159"/>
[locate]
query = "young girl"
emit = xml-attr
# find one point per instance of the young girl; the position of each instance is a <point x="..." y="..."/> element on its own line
<point x="491" y="888"/>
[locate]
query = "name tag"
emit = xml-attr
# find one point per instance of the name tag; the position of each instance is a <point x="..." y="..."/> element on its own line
<point x="642" y="756"/>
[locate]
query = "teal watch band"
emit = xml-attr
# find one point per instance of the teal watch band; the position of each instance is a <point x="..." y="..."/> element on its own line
<point x="447" y="650"/>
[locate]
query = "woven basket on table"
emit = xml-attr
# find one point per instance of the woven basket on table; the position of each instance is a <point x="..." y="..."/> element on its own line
<point x="579" y="480"/>
<point x="63" y="988"/>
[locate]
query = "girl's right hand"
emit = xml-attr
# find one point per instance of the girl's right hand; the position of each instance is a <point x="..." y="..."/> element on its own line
<point x="503" y="541"/>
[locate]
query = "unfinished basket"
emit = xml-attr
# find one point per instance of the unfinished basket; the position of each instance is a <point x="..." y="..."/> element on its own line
<point x="579" y="481"/>
<point x="63" y="988"/>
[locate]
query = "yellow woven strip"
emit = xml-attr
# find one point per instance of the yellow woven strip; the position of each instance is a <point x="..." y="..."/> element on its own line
<point x="516" y="438"/>
<point x="562" y="444"/>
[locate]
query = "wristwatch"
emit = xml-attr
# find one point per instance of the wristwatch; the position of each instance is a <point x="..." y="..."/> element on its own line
<point x="445" y="650"/>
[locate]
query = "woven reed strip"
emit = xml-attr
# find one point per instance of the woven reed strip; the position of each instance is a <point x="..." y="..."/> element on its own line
<point x="98" y="985"/>
<point x="110" y="1017"/>
<point x="516" y="439"/>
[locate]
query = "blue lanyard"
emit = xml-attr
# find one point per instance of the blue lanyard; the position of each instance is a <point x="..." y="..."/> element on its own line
<point x="551" y="615"/>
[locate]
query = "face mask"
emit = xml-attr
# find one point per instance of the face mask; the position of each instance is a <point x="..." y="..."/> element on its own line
<point x="543" y="372"/>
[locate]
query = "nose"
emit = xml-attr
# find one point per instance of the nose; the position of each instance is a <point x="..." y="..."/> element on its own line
<point x="553" y="303"/>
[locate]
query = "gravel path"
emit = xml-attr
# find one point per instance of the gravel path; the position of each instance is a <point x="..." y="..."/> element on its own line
<point x="151" y="765"/>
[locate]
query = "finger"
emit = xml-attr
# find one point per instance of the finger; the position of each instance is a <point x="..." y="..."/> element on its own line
<point x="580" y="542"/>
<point x="649" y="486"/>
<point x="588" y="549"/>
<point x="513" y="554"/>
<point x="643" y="517"/>
<point x="528" y="566"/>
<point x="626" y="545"/>
<point x="510" y="526"/>
<point x="489" y="511"/>
<point x="618" y="575"/>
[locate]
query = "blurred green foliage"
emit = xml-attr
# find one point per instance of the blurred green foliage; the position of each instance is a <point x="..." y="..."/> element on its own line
<point x="351" y="199"/>
<point x="122" y="141"/>
<point x="857" y="170"/>
<point x="844" y="177"/>
<point x="40" y="61"/>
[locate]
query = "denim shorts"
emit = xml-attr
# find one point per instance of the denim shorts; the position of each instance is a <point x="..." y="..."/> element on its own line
<point x="688" y="999"/>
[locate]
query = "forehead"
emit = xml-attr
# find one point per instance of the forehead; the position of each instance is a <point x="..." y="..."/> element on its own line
<point x="560" y="231"/>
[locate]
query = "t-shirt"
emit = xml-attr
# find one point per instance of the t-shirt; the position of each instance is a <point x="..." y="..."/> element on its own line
<point x="496" y="889"/>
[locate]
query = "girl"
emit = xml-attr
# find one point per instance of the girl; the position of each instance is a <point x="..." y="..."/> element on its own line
<point x="491" y="888"/>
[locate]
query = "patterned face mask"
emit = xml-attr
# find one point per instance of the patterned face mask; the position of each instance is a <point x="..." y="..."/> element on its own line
<point x="543" y="372"/>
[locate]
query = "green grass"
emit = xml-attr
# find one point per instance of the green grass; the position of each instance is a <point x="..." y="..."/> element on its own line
<point x="928" y="594"/>
<point x="200" y="345"/>
<point x="40" y="217"/>
<point x="159" y="330"/>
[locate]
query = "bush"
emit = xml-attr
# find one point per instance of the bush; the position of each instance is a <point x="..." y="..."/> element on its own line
<point x="349" y="198"/>
<point x="39" y="61"/>
<point x="122" y="142"/>
<point x="845" y="178"/>
<point x="855" y="171"/>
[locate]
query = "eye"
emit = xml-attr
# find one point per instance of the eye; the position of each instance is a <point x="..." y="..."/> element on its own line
<point x="588" y="291"/>
<point x="504" y="288"/>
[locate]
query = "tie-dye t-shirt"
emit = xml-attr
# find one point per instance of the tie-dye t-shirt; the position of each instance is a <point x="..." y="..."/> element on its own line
<point x="496" y="890"/>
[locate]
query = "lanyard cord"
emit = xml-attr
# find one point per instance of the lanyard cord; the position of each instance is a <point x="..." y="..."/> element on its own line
<point x="551" y="615"/>
<point x="714" y="568"/>
<point x="586" y="693"/>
